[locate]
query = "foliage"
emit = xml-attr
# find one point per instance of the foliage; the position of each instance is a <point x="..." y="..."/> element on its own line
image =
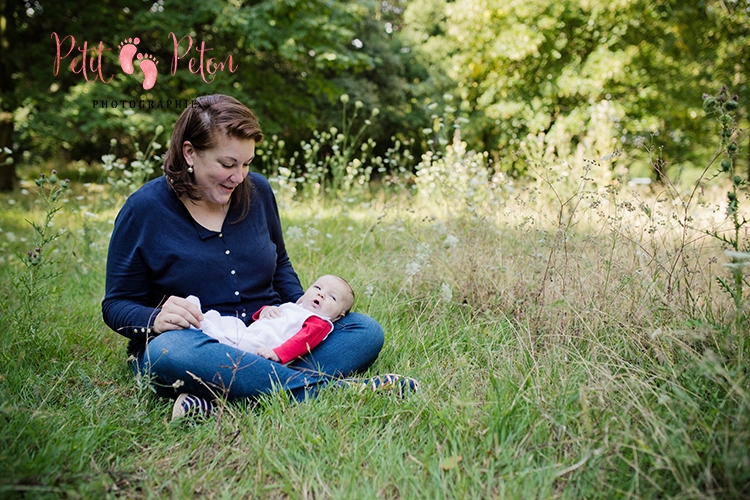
<point x="724" y="108"/>
<point x="304" y="48"/>
<point x="336" y="162"/>
<point x="37" y="282"/>
<point x="127" y="179"/>
<point x="456" y="180"/>
<point x="517" y="73"/>
<point x="520" y="69"/>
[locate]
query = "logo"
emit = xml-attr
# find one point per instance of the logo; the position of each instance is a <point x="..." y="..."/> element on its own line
<point x="128" y="50"/>
<point x="87" y="61"/>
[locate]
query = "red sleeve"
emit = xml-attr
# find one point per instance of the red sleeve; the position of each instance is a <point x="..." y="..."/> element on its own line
<point x="314" y="330"/>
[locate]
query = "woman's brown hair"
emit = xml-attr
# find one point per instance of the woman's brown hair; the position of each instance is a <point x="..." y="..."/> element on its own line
<point x="200" y="123"/>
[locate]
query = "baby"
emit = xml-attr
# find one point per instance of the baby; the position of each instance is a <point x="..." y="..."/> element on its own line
<point x="286" y="332"/>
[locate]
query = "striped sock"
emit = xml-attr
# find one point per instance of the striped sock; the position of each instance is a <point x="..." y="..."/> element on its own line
<point x="187" y="405"/>
<point x="402" y="385"/>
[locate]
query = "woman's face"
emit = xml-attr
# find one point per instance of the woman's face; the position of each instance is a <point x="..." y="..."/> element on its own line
<point x="219" y="170"/>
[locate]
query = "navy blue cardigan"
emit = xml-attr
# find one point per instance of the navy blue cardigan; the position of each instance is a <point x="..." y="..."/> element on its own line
<point x="158" y="250"/>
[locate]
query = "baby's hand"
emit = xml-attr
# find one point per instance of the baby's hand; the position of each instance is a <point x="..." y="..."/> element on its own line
<point x="269" y="312"/>
<point x="267" y="353"/>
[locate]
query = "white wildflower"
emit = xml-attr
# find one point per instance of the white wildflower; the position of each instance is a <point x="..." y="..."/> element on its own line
<point x="450" y="241"/>
<point x="412" y="268"/>
<point x="369" y="290"/>
<point x="423" y="252"/>
<point x="737" y="256"/>
<point x="439" y="227"/>
<point x="294" y="233"/>
<point x="108" y="161"/>
<point x="446" y="294"/>
<point x="736" y="266"/>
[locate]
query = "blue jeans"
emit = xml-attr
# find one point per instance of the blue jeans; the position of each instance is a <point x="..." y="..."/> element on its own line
<point x="173" y="356"/>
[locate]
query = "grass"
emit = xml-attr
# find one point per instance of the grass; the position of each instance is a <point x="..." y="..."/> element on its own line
<point x="569" y="341"/>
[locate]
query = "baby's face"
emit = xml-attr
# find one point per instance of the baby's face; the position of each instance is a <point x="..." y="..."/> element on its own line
<point x="328" y="296"/>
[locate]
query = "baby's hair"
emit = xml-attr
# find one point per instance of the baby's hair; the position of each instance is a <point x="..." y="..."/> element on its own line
<point x="351" y="291"/>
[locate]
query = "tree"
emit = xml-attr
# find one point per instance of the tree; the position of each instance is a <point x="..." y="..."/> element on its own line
<point x="537" y="68"/>
<point x="291" y="61"/>
<point x="7" y="102"/>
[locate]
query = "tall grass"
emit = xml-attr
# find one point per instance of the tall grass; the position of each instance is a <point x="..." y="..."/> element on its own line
<point x="569" y="334"/>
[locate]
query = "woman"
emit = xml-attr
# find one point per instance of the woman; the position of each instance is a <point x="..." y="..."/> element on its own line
<point x="207" y="228"/>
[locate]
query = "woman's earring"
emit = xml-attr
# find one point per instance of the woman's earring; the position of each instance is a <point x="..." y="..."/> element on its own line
<point x="190" y="169"/>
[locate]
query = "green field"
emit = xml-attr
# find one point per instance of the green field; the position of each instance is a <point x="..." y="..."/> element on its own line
<point x="570" y="334"/>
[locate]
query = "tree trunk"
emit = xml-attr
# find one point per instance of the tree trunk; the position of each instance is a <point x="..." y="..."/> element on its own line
<point x="7" y="168"/>
<point x="7" y="38"/>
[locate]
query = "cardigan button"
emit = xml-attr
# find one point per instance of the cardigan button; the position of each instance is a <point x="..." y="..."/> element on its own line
<point x="236" y="293"/>
<point x="234" y="272"/>
<point x="227" y="252"/>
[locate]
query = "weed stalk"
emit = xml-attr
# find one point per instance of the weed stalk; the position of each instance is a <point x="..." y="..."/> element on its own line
<point x="34" y="281"/>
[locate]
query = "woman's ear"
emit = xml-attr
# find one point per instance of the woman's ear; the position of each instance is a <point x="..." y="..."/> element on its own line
<point x="187" y="152"/>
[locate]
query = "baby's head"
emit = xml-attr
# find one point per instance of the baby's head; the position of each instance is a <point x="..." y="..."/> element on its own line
<point x="329" y="296"/>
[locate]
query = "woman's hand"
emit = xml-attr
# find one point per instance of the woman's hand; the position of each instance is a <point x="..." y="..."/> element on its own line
<point x="269" y="312"/>
<point x="177" y="314"/>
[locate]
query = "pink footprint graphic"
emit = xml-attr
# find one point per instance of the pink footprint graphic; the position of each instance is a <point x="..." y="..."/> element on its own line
<point x="127" y="52"/>
<point x="148" y="67"/>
